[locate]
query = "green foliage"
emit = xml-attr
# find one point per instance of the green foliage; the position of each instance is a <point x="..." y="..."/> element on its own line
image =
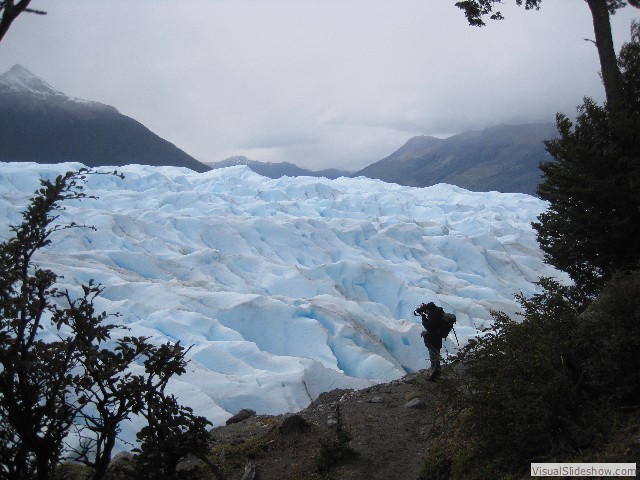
<point x="593" y="188"/>
<point x="518" y="379"/>
<point x="76" y="471"/>
<point x="543" y="389"/>
<point x="629" y="63"/>
<point x="49" y="387"/>
<point x="474" y="10"/>
<point x="607" y="340"/>
<point x="36" y="379"/>
<point x="438" y="463"/>
<point x="172" y="431"/>
<point x="234" y="456"/>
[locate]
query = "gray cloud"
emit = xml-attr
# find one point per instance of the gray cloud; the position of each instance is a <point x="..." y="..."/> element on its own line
<point x="321" y="83"/>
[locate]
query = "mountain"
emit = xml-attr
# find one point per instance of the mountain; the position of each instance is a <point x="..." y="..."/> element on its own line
<point x="40" y="124"/>
<point x="503" y="158"/>
<point x="280" y="169"/>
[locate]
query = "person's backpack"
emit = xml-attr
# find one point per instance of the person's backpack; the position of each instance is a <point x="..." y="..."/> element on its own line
<point x="446" y="325"/>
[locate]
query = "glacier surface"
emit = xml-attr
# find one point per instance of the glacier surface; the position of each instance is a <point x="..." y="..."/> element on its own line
<point x="285" y="288"/>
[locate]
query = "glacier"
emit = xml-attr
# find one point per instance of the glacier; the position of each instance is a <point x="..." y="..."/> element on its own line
<point x="284" y="288"/>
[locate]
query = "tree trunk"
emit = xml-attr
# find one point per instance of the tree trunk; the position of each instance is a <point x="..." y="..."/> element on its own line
<point x="102" y="463"/>
<point x="611" y="76"/>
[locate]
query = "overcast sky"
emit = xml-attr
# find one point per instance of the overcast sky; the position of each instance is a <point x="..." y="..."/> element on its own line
<point x="319" y="83"/>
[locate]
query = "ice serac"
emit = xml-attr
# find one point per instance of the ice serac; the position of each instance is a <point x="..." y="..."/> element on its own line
<point x="285" y="288"/>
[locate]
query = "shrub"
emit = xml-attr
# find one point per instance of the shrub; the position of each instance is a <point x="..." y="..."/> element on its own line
<point x="543" y="389"/>
<point x="49" y="387"/>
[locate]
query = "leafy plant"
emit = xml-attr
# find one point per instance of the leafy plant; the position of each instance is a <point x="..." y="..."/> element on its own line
<point x="593" y="186"/>
<point x="543" y="389"/>
<point x="38" y="404"/>
<point x="47" y="388"/>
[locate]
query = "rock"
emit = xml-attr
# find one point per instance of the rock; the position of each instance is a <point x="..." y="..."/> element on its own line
<point x="121" y="458"/>
<point x="122" y="462"/>
<point x="241" y="416"/>
<point x="293" y="424"/>
<point x="249" y="471"/>
<point x="415" y="403"/>
<point x="377" y="400"/>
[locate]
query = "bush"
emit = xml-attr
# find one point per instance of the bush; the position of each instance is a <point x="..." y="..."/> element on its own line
<point x="544" y="389"/>
<point x="49" y="387"/>
<point x="607" y="340"/>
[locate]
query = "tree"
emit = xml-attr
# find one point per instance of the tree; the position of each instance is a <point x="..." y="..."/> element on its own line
<point x="593" y="186"/>
<point x="110" y="392"/>
<point x="9" y="11"/>
<point x="35" y="376"/>
<point x="49" y="387"/>
<point x="601" y="10"/>
<point x="172" y="431"/>
<point x="594" y="183"/>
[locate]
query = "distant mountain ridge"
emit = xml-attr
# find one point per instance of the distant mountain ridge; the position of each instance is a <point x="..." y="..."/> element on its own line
<point x="503" y="158"/>
<point x="41" y="124"/>
<point x="280" y="169"/>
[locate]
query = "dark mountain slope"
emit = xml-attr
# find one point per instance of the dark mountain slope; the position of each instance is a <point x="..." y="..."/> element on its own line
<point x="280" y="169"/>
<point x="503" y="158"/>
<point x="41" y="124"/>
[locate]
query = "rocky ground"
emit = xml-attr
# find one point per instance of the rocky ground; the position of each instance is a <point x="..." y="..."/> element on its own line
<point x="389" y="426"/>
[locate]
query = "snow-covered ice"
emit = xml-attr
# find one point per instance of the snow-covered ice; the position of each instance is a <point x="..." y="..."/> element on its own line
<point x="285" y="288"/>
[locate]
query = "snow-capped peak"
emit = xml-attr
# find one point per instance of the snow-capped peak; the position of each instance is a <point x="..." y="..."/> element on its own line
<point x="19" y="79"/>
<point x="19" y="84"/>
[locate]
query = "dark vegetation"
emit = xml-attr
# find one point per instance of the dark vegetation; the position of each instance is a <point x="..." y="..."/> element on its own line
<point x="593" y="186"/>
<point x="563" y="384"/>
<point x="335" y="448"/>
<point x="560" y="386"/>
<point x="74" y="384"/>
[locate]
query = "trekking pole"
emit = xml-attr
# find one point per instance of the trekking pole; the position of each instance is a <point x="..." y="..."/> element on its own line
<point x="454" y="334"/>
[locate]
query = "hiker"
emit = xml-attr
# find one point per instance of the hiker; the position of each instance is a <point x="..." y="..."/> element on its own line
<point x="436" y="328"/>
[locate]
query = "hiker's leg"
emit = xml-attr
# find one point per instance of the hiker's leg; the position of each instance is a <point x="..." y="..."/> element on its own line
<point x="434" y="358"/>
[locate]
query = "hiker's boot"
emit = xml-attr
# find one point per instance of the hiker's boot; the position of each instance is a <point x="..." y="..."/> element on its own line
<point x="435" y="371"/>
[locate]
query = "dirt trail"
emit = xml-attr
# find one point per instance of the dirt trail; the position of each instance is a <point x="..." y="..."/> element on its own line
<point x="390" y="427"/>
